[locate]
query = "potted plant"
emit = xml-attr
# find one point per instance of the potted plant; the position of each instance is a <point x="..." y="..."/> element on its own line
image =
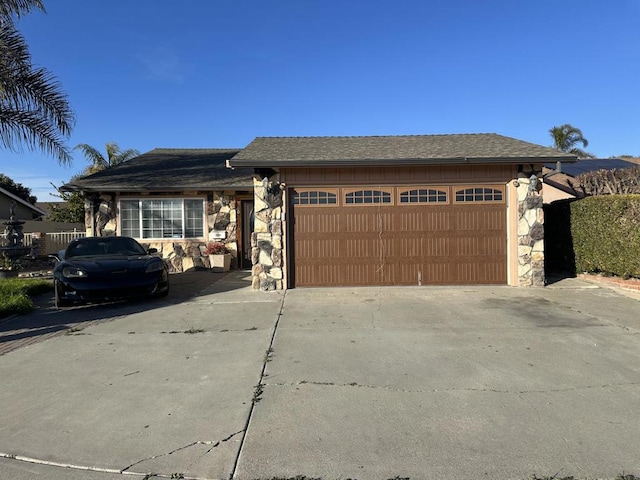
<point x="9" y="267"/>
<point x="219" y="256"/>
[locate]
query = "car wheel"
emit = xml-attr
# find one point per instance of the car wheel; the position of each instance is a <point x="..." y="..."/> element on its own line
<point x="57" y="300"/>
<point x="163" y="293"/>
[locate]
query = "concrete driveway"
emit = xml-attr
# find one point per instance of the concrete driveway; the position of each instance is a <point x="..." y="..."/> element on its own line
<point x="367" y="383"/>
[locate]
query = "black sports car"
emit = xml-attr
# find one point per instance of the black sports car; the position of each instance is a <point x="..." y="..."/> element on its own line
<point x="108" y="268"/>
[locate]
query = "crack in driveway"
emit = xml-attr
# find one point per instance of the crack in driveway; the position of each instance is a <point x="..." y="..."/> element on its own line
<point x="436" y="390"/>
<point x="122" y="471"/>
<point x="213" y="444"/>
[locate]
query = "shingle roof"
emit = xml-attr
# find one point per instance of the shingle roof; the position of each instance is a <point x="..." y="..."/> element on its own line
<point x="17" y="199"/>
<point x="169" y="169"/>
<point x="483" y="148"/>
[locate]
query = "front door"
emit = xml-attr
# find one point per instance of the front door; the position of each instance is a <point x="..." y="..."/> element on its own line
<point x="247" y="229"/>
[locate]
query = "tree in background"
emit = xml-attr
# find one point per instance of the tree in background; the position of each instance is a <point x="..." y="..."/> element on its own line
<point x="70" y="210"/>
<point x="98" y="162"/>
<point x="619" y="181"/>
<point x="566" y="137"/>
<point x="17" y="189"/>
<point x="33" y="109"/>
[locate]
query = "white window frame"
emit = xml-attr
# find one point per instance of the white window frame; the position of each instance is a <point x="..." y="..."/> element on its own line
<point x="140" y="230"/>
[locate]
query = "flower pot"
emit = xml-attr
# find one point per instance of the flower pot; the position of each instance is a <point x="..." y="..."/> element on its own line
<point x="220" y="263"/>
<point x="8" y="273"/>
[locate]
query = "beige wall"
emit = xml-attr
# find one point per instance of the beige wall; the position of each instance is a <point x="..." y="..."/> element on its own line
<point x="22" y="212"/>
<point x="551" y="194"/>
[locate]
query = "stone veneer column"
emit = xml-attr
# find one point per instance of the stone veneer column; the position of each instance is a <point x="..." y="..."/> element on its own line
<point x="266" y="239"/>
<point x="530" y="235"/>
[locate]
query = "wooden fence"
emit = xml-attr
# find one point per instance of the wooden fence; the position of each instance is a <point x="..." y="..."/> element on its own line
<point x="53" y="242"/>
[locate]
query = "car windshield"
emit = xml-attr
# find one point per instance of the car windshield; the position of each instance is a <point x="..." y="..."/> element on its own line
<point x="91" y="247"/>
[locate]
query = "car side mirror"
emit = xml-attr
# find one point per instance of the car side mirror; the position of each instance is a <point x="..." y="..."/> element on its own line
<point x="151" y="251"/>
<point x="57" y="257"/>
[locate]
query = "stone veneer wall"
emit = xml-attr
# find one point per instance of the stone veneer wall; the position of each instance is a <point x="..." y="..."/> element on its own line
<point x="530" y="234"/>
<point x="181" y="255"/>
<point x="266" y="239"/>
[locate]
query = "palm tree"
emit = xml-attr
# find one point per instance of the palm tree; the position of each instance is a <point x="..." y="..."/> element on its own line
<point x="566" y="137"/>
<point x="98" y="162"/>
<point x="33" y="109"/>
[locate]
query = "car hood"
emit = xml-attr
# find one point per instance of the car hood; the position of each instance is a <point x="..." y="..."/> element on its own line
<point x="107" y="263"/>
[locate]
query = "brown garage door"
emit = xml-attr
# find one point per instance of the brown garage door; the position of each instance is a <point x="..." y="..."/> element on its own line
<point x="429" y="235"/>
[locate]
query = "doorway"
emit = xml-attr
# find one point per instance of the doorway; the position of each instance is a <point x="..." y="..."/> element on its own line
<point x="246" y="207"/>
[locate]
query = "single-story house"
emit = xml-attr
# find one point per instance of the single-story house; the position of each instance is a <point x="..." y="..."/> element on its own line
<point x="176" y="200"/>
<point x="561" y="182"/>
<point x="314" y="211"/>
<point x="23" y="209"/>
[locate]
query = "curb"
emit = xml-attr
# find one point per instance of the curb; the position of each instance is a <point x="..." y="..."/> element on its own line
<point x="630" y="284"/>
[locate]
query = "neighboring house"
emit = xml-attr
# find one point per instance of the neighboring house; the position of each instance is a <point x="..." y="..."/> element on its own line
<point x="316" y="211"/>
<point x="175" y="200"/>
<point x="46" y="225"/>
<point x="23" y="210"/>
<point x="560" y="180"/>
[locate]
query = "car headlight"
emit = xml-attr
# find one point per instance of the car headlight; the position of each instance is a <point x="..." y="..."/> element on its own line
<point x="73" y="272"/>
<point x="154" y="267"/>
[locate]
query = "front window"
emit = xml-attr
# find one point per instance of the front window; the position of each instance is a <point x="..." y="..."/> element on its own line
<point x="162" y="218"/>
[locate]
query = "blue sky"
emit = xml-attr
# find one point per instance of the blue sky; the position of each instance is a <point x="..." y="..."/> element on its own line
<point x="213" y="73"/>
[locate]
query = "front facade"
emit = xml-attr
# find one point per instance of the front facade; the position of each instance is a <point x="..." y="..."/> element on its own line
<point x="347" y="211"/>
<point x="175" y="200"/>
<point x="406" y="210"/>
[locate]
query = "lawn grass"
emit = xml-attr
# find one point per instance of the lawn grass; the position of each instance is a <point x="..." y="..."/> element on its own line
<point x="16" y="293"/>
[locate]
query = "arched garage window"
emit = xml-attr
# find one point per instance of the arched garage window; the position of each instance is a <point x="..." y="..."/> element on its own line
<point x="314" y="197"/>
<point x="479" y="194"/>
<point x="423" y="195"/>
<point x="360" y="197"/>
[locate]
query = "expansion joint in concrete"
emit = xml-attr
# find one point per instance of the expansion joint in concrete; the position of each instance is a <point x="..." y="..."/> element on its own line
<point x="260" y="386"/>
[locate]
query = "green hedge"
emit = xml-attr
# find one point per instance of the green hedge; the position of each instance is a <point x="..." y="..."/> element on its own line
<point x="606" y="235"/>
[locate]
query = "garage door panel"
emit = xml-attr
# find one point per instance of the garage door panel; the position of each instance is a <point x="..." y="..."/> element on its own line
<point x="417" y="248"/>
<point x="488" y="248"/>
<point x="368" y="274"/>
<point x="367" y="219"/>
<point x="471" y="273"/>
<point x="324" y="274"/>
<point x="310" y="249"/>
<point x="318" y="220"/>
<point x="403" y="244"/>
<point x="427" y="219"/>
<point x="484" y="217"/>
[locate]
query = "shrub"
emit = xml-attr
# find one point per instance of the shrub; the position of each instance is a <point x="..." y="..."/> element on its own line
<point x="606" y="235"/>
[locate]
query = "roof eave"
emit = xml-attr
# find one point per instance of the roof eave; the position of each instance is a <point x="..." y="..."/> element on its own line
<point x="406" y="161"/>
<point x="39" y="211"/>
<point x="115" y="188"/>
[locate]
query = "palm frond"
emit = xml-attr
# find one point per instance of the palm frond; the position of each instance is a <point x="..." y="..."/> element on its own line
<point x="24" y="127"/>
<point x="127" y="154"/>
<point x="33" y="96"/>
<point x="566" y="137"/>
<point x="93" y="156"/>
<point x="18" y="8"/>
